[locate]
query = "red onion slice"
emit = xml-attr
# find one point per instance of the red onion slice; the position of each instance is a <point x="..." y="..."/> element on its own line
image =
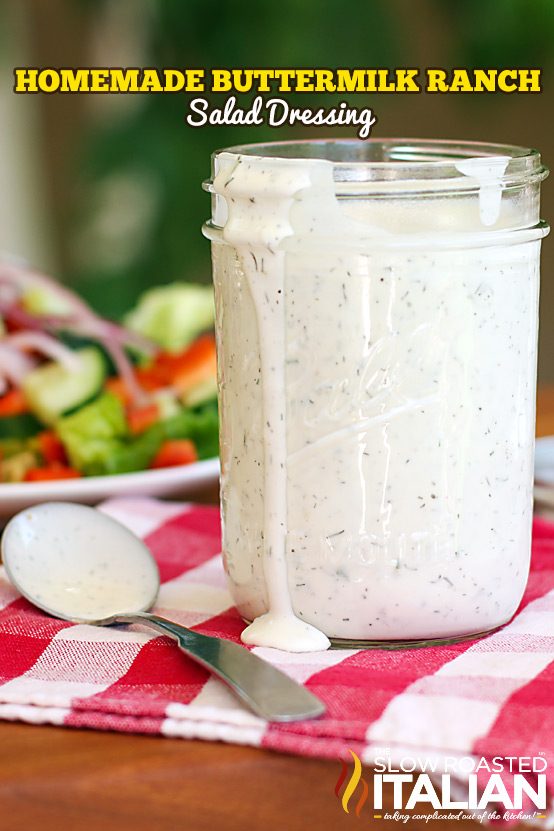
<point x="80" y="319"/>
<point x="45" y="344"/>
<point x="14" y="365"/>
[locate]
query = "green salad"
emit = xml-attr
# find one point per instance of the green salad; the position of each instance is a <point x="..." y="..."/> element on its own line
<point x="84" y="396"/>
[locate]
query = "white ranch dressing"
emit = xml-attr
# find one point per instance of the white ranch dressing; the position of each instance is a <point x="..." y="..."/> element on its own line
<point x="377" y="407"/>
<point x="264" y="266"/>
<point x="78" y="562"/>
<point x="489" y="173"/>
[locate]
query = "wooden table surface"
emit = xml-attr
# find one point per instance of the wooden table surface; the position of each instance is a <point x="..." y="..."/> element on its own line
<point x="57" y="779"/>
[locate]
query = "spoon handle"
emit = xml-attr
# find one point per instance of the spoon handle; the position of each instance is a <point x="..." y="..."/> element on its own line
<point x="267" y="691"/>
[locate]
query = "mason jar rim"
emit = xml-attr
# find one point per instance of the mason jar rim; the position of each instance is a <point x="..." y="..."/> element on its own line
<point x="398" y="162"/>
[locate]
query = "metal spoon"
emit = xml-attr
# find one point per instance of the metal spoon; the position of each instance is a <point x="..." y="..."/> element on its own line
<point x="79" y="564"/>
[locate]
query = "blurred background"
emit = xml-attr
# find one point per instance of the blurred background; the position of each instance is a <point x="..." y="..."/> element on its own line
<point x="105" y="191"/>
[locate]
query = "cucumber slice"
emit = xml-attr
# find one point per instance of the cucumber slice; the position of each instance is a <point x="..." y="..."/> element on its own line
<point x="52" y="389"/>
<point x="75" y="342"/>
<point x="20" y="426"/>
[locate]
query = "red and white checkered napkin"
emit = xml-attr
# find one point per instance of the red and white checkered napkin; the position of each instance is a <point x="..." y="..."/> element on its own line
<point x="490" y="697"/>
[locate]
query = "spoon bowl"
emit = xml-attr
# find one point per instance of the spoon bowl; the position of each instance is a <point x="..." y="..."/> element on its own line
<point x="78" y="564"/>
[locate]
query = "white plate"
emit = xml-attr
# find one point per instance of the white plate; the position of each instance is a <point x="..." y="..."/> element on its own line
<point x="177" y="482"/>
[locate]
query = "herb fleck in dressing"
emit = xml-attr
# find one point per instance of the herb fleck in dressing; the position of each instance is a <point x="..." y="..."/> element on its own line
<point x="377" y="407"/>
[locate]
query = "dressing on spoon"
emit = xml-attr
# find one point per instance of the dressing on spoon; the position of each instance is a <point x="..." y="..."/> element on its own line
<point x="79" y="564"/>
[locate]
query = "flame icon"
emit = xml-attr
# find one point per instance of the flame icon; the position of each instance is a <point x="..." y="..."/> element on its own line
<point x="351" y="785"/>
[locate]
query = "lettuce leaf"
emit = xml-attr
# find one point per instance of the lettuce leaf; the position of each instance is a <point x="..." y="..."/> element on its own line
<point x="200" y="425"/>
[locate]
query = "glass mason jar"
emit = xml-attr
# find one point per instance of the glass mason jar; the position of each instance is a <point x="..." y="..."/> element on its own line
<point x="376" y="317"/>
